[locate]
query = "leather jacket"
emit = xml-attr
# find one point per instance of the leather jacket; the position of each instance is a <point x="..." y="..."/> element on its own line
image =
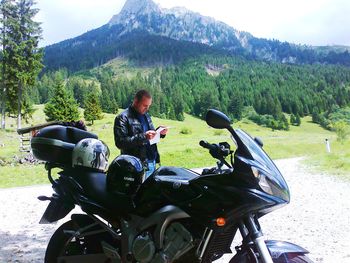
<point x="129" y="136"/>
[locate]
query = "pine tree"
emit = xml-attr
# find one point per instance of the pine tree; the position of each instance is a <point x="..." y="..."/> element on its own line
<point x="178" y="104"/>
<point x="109" y="104"/>
<point x="297" y="120"/>
<point x="315" y="115"/>
<point x="284" y="122"/>
<point x="235" y="107"/>
<point x="62" y="106"/>
<point x="21" y="60"/>
<point x="27" y="108"/>
<point x="8" y="22"/>
<point x="28" y="53"/>
<point x="292" y="119"/>
<point x="92" y="108"/>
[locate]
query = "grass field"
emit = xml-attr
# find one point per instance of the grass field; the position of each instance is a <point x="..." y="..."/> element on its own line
<point x="125" y="68"/>
<point x="180" y="149"/>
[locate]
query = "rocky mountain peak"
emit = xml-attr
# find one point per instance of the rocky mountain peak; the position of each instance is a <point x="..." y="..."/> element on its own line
<point x="135" y="7"/>
<point x="177" y="23"/>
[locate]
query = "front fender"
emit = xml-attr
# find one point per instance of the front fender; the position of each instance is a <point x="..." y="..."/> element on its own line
<point x="280" y="251"/>
<point x="278" y="248"/>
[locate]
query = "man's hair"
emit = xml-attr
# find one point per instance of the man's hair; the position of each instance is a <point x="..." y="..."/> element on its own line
<point x="142" y="93"/>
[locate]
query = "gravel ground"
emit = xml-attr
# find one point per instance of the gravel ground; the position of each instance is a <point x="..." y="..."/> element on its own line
<point x="318" y="218"/>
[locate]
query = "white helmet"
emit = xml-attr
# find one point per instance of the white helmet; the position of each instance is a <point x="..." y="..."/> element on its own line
<point x="91" y="153"/>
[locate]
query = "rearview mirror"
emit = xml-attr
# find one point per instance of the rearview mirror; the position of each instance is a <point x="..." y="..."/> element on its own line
<point x="217" y="119"/>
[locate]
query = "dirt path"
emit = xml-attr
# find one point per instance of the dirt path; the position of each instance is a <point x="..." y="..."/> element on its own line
<point x="318" y="218"/>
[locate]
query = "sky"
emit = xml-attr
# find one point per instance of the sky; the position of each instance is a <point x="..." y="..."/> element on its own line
<point x="310" y="22"/>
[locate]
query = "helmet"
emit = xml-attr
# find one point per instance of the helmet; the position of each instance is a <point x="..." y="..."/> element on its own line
<point x="125" y="174"/>
<point x="91" y="153"/>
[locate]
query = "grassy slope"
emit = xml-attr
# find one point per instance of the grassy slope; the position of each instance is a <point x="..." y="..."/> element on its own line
<point x="183" y="150"/>
<point x="123" y="67"/>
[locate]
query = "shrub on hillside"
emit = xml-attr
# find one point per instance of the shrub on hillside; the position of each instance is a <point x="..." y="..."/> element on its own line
<point x="185" y="130"/>
<point x="275" y="123"/>
<point x="342" y="129"/>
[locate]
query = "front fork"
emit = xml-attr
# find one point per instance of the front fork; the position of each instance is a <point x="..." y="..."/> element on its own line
<point x="251" y="233"/>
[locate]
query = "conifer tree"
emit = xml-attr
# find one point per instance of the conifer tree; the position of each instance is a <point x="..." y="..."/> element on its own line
<point x="92" y="108"/>
<point x="8" y="22"/>
<point x="62" y="106"/>
<point x="235" y="107"/>
<point x="21" y="58"/>
<point x="109" y="104"/>
<point x="292" y="119"/>
<point x="315" y="116"/>
<point x="27" y="108"/>
<point x="297" y="120"/>
<point x="28" y="53"/>
<point x="284" y="121"/>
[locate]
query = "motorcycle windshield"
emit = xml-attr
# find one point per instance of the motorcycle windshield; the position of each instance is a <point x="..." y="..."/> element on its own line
<point x="263" y="168"/>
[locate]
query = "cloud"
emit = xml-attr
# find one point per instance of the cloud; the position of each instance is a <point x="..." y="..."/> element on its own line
<point x="313" y="22"/>
<point x="63" y="19"/>
<point x="326" y="23"/>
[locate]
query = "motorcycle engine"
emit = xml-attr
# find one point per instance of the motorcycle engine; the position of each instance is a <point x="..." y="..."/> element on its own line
<point x="143" y="248"/>
<point x="177" y="241"/>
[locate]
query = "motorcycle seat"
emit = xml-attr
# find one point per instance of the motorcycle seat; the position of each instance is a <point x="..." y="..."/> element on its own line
<point x="174" y="174"/>
<point x="95" y="189"/>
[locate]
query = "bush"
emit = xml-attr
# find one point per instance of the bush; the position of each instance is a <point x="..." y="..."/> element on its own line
<point x="185" y="130"/>
<point x="328" y="119"/>
<point x="342" y="130"/>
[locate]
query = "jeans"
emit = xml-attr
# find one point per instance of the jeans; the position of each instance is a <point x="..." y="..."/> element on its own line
<point x="151" y="168"/>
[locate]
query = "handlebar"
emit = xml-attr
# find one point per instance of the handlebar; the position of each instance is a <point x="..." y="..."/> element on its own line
<point x="218" y="151"/>
<point x="207" y="145"/>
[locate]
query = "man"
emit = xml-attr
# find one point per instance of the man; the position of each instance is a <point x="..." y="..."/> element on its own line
<point x="133" y="130"/>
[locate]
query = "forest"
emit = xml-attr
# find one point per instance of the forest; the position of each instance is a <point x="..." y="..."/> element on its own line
<point x="260" y="91"/>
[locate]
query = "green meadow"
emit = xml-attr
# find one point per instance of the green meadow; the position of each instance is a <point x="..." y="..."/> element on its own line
<point x="181" y="148"/>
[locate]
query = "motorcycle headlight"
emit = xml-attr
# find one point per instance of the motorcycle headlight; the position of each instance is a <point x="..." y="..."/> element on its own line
<point x="263" y="180"/>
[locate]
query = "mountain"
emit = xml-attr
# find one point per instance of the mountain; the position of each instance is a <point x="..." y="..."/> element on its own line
<point x="177" y="23"/>
<point x="148" y="34"/>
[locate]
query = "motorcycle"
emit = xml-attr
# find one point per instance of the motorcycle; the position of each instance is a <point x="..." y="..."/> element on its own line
<point x="175" y="215"/>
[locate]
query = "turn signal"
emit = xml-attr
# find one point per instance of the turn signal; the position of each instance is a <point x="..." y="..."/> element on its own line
<point x="220" y="221"/>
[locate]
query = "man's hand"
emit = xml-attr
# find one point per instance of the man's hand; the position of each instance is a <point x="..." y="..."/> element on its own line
<point x="165" y="131"/>
<point x="150" y="134"/>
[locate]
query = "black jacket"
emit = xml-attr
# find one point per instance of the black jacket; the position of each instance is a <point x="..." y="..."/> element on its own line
<point x="129" y="136"/>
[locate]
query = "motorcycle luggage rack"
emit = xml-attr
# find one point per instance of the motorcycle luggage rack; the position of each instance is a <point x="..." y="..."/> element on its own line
<point x="49" y="167"/>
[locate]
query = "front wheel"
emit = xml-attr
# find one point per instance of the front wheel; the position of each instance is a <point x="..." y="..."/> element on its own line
<point x="70" y="245"/>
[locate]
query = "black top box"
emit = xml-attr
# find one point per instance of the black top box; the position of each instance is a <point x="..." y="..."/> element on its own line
<point x="55" y="144"/>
